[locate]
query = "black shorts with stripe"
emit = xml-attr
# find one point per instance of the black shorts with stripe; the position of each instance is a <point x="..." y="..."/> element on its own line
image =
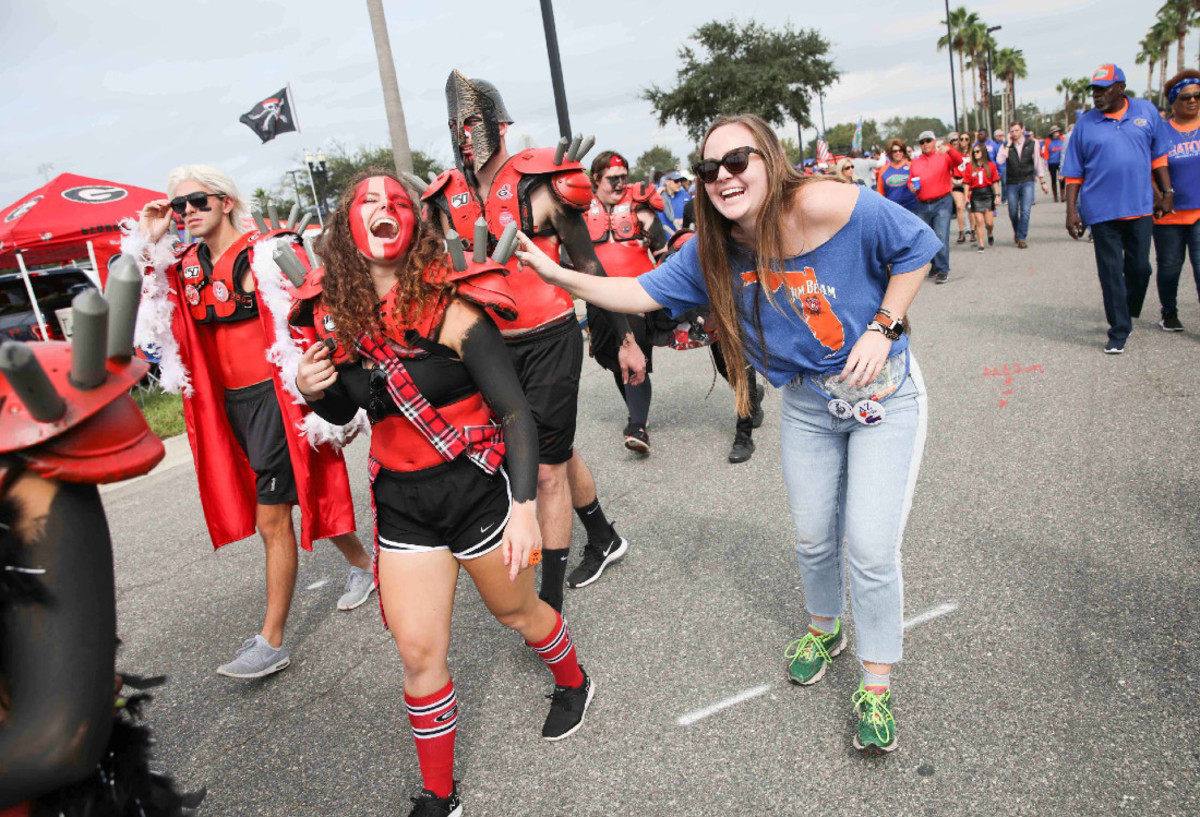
<point x="548" y="365"/>
<point x="454" y="506"/>
<point x="257" y="424"/>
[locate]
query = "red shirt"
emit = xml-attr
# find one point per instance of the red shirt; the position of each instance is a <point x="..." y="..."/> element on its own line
<point x="977" y="177"/>
<point x="934" y="171"/>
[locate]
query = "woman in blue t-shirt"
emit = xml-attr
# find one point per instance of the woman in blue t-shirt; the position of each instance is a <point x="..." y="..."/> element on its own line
<point x="841" y="269"/>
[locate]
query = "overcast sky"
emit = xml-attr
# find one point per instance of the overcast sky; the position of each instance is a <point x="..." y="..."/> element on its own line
<point x="125" y="91"/>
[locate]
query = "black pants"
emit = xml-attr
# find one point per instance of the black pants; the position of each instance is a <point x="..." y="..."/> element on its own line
<point x="744" y="424"/>
<point x="1123" y="262"/>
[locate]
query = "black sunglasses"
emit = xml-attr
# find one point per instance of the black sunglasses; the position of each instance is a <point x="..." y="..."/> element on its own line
<point x="735" y="161"/>
<point x="619" y="180"/>
<point x="198" y="200"/>
<point x="926" y="141"/>
<point x="1187" y="97"/>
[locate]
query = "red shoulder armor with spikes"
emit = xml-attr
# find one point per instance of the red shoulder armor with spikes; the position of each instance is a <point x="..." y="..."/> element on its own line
<point x="646" y="194"/>
<point x="486" y="286"/>
<point x="101" y="437"/>
<point x="569" y="183"/>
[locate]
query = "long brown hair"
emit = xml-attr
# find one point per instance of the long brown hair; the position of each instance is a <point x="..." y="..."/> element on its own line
<point x="986" y="156"/>
<point x="347" y="289"/>
<point x="715" y="245"/>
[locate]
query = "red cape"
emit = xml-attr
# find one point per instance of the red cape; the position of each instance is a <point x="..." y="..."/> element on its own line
<point x="227" y="490"/>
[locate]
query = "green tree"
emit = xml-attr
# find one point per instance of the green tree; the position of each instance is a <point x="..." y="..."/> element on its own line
<point x="1010" y="65"/>
<point x="910" y="127"/>
<point x="960" y="19"/>
<point x="342" y="164"/>
<point x="745" y="69"/>
<point x="1178" y="16"/>
<point x="791" y="150"/>
<point x="974" y="42"/>
<point x="840" y="136"/>
<point x="656" y="158"/>
<point x="1148" y="54"/>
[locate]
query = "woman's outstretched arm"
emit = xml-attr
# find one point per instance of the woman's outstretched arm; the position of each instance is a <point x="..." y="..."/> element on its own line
<point x="614" y="294"/>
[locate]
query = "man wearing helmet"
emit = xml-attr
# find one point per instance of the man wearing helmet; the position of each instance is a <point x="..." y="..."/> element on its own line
<point x="546" y="196"/>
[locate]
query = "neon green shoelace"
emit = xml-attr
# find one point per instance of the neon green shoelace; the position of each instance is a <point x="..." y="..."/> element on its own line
<point x="878" y="714"/>
<point x="803" y="648"/>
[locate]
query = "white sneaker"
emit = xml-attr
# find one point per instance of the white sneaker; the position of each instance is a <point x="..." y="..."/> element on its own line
<point x="359" y="586"/>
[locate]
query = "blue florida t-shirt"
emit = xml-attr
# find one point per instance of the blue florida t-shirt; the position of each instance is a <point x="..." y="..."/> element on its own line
<point x="838" y="287"/>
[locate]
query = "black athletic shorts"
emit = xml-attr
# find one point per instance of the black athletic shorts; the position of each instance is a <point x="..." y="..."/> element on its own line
<point x="983" y="200"/>
<point x="257" y="422"/>
<point x="454" y="506"/>
<point x="548" y="366"/>
<point x="606" y="344"/>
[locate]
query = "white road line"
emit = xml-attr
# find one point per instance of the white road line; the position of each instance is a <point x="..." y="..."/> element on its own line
<point x="929" y="615"/>
<point x="733" y="700"/>
<point x="315" y="585"/>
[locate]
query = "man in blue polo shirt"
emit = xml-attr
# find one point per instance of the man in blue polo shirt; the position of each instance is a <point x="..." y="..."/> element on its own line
<point x="1108" y="160"/>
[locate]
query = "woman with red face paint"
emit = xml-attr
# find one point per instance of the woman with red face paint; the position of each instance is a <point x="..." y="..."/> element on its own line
<point x="408" y="333"/>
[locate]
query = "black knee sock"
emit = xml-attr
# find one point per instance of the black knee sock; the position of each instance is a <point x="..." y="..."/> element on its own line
<point x="637" y="400"/>
<point x="594" y="522"/>
<point x="554" y="571"/>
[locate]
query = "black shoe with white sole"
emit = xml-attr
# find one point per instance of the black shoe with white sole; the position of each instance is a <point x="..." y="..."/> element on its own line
<point x="430" y="805"/>
<point x="568" y="706"/>
<point x="1170" y="322"/>
<point x="595" y="559"/>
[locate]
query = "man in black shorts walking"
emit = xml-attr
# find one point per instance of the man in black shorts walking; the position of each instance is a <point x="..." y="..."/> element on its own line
<point x="243" y="424"/>
<point x="546" y="199"/>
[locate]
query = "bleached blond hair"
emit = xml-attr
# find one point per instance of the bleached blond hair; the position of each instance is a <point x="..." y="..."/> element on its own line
<point x="216" y="181"/>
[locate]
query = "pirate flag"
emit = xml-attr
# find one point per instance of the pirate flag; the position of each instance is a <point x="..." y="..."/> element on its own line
<point x="271" y="117"/>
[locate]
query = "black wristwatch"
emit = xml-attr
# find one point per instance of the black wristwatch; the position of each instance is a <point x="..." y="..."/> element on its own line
<point x="891" y="331"/>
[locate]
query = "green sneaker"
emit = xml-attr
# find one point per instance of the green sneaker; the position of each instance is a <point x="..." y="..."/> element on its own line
<point x="811" y="654"/>
<point x="876" y="732"/>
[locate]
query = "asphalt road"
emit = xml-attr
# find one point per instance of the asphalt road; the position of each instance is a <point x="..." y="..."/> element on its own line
<point x="1050" y="580"/>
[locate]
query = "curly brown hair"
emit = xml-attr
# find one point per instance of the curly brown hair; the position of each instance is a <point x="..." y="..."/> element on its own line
<point x="347" y="290"/>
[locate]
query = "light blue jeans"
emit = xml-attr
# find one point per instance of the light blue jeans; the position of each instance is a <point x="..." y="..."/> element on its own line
<point x="854" y="482"/>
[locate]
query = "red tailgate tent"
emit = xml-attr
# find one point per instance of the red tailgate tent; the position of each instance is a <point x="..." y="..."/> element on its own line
<point x="56" y="222"/>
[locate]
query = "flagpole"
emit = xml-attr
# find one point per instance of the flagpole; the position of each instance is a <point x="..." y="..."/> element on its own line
<point x="313" y="186"/>
<point x="292" y="102"/>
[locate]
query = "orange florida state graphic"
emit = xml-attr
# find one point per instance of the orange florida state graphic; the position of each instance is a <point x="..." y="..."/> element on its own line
<point x="814" y="305"/>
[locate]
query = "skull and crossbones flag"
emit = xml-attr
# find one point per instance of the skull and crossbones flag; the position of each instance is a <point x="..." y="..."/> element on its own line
<point x="271" y="117"/>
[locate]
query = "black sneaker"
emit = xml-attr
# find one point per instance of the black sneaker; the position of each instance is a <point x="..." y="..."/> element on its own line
<point x="743" y="448"/>
<point x="1114" y="347"/>
<point x="430" y="805"/>
<point x="991" y="241"/>
<point x="568" y="706"/>
<point x="1170" y="322"/>
<point x="940" y="278"/>
<point x="636" y="438"/>
<point x="595" y="559"/>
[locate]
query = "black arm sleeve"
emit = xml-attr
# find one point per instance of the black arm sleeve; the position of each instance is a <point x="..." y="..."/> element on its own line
<point x="487" y="360"/>
<point x="658" y="236"/>
<point x="336" y="406"/>
<point x="573" y="232"/>
<point x="59" y="657"/>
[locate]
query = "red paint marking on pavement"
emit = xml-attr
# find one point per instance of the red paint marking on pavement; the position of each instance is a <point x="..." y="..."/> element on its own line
<point x="1009" y="371"/>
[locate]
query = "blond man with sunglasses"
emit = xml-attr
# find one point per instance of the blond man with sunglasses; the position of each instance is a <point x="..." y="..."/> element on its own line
<point x="244" y="419"/>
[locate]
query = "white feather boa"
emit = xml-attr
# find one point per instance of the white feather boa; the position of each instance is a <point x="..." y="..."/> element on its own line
<point x="285" y="352"/>
<point x="153" y="330"/>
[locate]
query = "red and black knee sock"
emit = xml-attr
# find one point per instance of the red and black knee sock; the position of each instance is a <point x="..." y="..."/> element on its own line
<point x="434" y="720"/>
<point x="558" y="651"/>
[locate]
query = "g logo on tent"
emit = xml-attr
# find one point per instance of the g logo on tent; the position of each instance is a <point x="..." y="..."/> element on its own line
<point x="22" y="210"/>
<point x="95" y="194"/>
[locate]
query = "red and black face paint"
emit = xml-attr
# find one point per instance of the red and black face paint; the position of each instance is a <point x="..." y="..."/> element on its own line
<point x="382" y="221"/>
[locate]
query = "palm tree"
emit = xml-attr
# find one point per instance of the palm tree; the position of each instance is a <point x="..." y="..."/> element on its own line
<point x="1178" y="16"/>
<point x="1148" y="55"/>
<point x="1162" y="33"/>
<point x="959" y="19"/>
<point x="986" y="46"/>
<point x="1010" y="65"/>
<point x="975" y="37"/>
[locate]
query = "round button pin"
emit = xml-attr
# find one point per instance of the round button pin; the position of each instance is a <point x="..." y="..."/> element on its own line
<point x="191" y="294"/>
<point x="841" y="409"/>
<point x="220" y="291"/>
<point x="868" y="412"/>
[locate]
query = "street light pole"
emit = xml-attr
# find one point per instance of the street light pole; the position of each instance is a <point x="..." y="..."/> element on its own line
<point x="950" y="52"/>
<point x="991" y="82"/>
<point x="556" y="75"/>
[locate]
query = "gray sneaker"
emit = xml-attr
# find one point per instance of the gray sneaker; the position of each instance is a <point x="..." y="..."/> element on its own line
<point x="359" y="587"/>
<point x="256" y="658"/>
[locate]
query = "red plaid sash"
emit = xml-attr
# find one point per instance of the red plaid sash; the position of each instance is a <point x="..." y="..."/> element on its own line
<point x="483" y="444"/>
